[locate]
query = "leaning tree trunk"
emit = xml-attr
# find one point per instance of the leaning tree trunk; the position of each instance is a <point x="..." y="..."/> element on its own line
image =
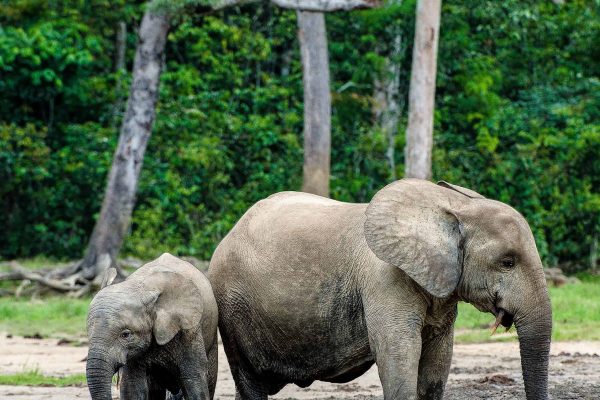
<point x="317" y="102"/>
<point x="419" y="133"/>
<point x="119" y="197"/>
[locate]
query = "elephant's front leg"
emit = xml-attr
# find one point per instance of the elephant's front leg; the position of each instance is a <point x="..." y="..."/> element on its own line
<point x="193" y="369"/>
<point x="395" y="316"/>
<point x="395" y="340"/>
<point x="397" y="358"/>
<point x="434" y="366"/>
<point x="134" y="383"/>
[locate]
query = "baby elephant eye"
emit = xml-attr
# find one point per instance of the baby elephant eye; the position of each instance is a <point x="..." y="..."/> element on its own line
<point x="126" y="334"/>
<point x="508" y="262"/>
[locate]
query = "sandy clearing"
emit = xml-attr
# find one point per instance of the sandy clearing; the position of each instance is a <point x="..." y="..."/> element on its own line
<point x="479" y="371"/>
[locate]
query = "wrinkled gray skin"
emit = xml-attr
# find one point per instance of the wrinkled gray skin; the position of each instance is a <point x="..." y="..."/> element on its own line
<point x="310" y="288"/>
<point x="160" y="327"/>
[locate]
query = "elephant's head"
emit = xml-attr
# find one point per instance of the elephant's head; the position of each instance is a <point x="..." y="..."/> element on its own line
<point x="126" y="318"/>
<point x="455" y="243"/>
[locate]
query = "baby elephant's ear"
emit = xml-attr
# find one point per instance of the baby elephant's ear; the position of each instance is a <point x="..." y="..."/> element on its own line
<point x="178" y="307"/>
<point x="109" y="277"/>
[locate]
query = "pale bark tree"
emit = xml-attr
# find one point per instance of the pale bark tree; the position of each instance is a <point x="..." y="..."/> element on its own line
<point x="317" y="102"/>
<point x="419" y="133"/>
<point x="119" y="197"/>
<point x="120" y="47"/>
<point x="387" y="104"/>
<point x="312" y="35"/>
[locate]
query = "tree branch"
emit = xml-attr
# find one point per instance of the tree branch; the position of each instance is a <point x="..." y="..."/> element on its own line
<point x="35" y="277"/>
<point x="326" y="5"/>
<point x="302" y="5"/>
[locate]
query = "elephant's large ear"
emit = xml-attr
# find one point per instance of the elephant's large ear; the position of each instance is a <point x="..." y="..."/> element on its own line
<point x="412" y="225"/>
<point x="178" y="306"/>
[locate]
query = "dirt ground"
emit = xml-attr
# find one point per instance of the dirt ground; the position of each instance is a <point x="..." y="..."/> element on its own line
<point x="488" y="371"/>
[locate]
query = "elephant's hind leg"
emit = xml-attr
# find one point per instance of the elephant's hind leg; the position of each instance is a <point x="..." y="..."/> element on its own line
<point x="249" y="391"/>
<point x="213" y="369"/>
<point x="247" y="386"/>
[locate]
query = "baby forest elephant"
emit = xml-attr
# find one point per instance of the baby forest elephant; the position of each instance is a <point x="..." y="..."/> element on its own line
<point x="160" y="327"/>
<point x="315" y="289"/>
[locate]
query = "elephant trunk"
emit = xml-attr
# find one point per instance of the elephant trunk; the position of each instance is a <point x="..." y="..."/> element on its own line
<point x="99" y="372"/>
<point x="535" y="330"/>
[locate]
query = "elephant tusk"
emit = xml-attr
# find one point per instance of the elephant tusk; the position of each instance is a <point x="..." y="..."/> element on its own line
<point x="498" y="320"/>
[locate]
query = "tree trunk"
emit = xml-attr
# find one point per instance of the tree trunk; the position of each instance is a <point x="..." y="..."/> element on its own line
<point x="386" y="105"/>
<point x="419" y="133"/>
<point x="119" y="197"/>
<point x="317" y="102"/>
<point x="121" y="46"/>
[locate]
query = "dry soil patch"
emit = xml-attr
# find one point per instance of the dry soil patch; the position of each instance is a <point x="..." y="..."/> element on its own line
<point x="488" y="371"/>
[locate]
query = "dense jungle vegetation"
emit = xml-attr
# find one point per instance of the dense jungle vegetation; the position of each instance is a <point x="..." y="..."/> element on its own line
<point x="517" y="118"/>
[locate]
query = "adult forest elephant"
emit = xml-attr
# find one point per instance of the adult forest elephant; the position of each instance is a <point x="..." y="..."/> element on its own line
<point x="310" y="288"/>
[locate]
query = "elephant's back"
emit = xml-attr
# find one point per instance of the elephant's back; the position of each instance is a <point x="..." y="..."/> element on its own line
<point x="289" y="231"/>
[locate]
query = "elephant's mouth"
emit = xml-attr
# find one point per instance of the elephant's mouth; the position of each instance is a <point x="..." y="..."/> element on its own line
<point x="502" y="318"/>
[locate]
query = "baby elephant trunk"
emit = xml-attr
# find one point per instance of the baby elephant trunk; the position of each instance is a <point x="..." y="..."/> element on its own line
<point x="99" y="372"/>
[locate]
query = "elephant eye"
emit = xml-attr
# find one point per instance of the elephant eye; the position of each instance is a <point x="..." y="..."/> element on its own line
<point x="508" y="262"/>
<point x="126" y="334"/>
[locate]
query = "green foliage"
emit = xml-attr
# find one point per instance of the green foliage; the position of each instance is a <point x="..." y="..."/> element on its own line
<point x="519" y="116"/>
<point x="518" y="105"/>
<point x="238" y="121"/>
<point x="48" y="193"/>
<point x="50" y="317"/>
<point x="175" y="7"/>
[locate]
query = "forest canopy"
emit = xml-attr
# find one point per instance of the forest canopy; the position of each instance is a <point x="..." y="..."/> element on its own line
<point x="517" y="118"/>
